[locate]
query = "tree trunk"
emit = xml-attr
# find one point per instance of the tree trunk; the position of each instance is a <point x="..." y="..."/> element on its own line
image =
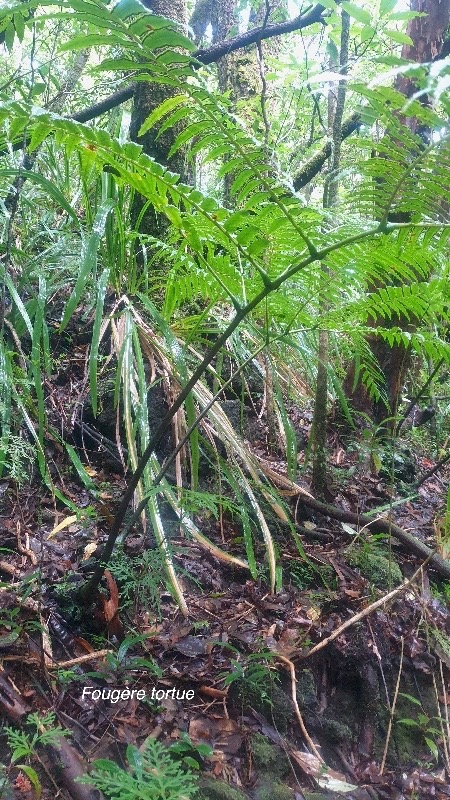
<point x="147" y="97"/>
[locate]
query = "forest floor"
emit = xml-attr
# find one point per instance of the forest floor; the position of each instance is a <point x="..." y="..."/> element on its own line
<point x="373" y="700"/>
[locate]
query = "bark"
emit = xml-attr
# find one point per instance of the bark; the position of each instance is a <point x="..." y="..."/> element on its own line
<point x="428" y="35"/>
<point x="148" y="96"/>
<point x="223" y="20"/>
<point x="201" y="18"/>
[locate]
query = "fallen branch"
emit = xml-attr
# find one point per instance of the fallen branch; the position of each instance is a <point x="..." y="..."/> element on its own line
<point x="365" y="612"/>
<point x="73" y="662"/>
<point x="430" y="472"/>
<point x="383" y="525"/>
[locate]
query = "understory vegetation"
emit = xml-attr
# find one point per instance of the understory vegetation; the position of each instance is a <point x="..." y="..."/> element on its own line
<point x="225" y="399"/>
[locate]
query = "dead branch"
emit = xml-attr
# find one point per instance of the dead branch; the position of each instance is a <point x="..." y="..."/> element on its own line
<point x="383" y="525"/>
<point x="315" y="164"/>
<point x="73" y="662"/>
<point x="308" y="741"/>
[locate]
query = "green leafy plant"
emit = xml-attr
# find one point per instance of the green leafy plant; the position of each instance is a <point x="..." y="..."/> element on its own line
<point x="241" y="266"/>
<point x="140" y="578"/>
<point x="24" y="745"/>
<point x="426" y="726"/>
<point x="189" y="754"/>
<point x="123" y="663"/>
<point x="253" y="676"/>
<point x="151" y="775"/>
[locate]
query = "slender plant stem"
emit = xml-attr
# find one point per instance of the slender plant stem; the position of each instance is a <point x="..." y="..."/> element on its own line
<point x="419" y="394"/>
<point x="394" y="703"/>
<point x="86" y="592"/>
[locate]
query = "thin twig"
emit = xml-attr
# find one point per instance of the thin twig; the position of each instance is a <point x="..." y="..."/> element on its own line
<point x="365" y="612"/>
<point x="394" y="703"/>
<point x="430" y="472"/>
<point x="298" y="713"/>
<point x="72" y="662"/>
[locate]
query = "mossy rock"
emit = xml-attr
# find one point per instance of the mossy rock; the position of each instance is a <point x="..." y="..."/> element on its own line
<point x="335" y="731"/>
<point x="210" y="788"/>
<point x="272" y="790"/>
<point x="268" y="757"/>
<point x="375" y="566"/>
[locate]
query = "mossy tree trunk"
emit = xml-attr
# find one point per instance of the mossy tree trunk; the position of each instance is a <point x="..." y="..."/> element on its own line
<point x="147" y="97"/>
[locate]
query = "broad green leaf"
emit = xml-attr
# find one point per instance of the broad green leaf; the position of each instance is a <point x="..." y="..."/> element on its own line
<point x="360" y="14"/>
<point x="81" y="472"/>
<point x="33" y="778"/>
<point x="406" y="15"/>
<point x="19" y="24"/>
<point x="10" y="34"/>
<point x="398" y="36"/>
<point x="391" y="61"/>
<point x="167" y="37"/>
<point x="127" y="8"/>
<point x="386" y="6"/>
<point x="89" y="262"/>
<point x="95" y="341"/>
<point x="19" y="303"/>
<point x="85" y="41"/>
<point x="162" y="111"/>
<point x="367" y="33"/>
<point x="432" y="746"/>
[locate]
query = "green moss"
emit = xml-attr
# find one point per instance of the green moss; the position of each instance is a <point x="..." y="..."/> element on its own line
<point x="273" y="790"/>
<point x="268" y="757"/>
<point x="306" y="689"/>
<point x="375" y="566"/>
<point x="266" y="697"/>
<point x="320" y="795"/>
<point x="335" y="731"/>
<point x="213" y="789"/>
